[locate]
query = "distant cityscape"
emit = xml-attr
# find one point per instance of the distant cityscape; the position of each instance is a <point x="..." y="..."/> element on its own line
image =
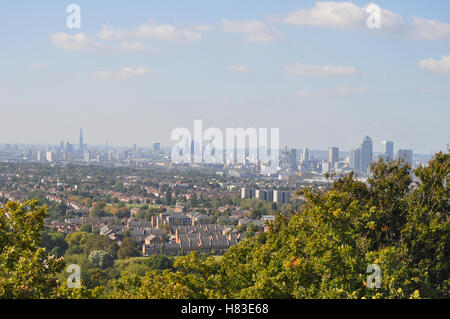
<point x="294" y="163"/>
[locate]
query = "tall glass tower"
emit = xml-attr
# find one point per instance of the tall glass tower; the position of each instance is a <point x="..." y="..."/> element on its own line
<point x="81" y="146"/>
<point x="366" y="153"/>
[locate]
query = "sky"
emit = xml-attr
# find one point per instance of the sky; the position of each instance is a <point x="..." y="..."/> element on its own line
<point x="136" y="70"/>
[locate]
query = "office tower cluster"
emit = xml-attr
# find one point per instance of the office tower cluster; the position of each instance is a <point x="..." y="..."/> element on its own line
<point x="361" y="157"/>
<point x="276" y="196"/>
<point x="64" y="151"/>
<point x="333" y="160"/>
<point x="308" y="163"/>
<point x="289" y="160"/>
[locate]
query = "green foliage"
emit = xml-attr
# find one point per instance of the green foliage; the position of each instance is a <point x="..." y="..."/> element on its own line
<point x="75" y="249"/>
<point x="63" y="292"/>
<point x="141" y="265"/>
<point x="95" y="277"/>
<point x="118" y="210"/>
<point x="54" y="240"/>
<point x="56" y="251"/>
<point x="26" y="271"/>
<point x="258" y="207"/>
<point x="158" y="262"/>
<point x="100" y="259"/>
<point x="91" y="241"/>
<point x="78" y="238"/>
<point x="128" y="248"/>
<point x="86" y="228"/>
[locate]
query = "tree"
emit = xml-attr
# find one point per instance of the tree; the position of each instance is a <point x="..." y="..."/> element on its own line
<point x="56" y="251"/>
<point x="78" y="238"/>
<point x="159" y="262"/>
<point x="97" y="209"/>
<point x="99" y="242"/>
<point x="426" y="234"/>
<point x="51" y="240"/>
<point x="75" y="249"/>
<point x="86" y="228"/>
<point x="193" y="201"/>
<point x="26" y="270"/>
<point x="168" y="197"/>
<point x="101" y="259"/>
<point x="128" y="248"/>
<point x="95" y="212"/>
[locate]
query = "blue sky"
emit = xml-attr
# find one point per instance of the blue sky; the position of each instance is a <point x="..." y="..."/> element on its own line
<point x="136" y="70"/>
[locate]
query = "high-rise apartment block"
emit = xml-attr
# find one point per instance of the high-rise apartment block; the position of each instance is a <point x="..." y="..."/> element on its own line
<point x="333" y="156"/>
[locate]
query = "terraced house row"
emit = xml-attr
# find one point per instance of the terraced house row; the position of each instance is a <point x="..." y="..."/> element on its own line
<point x="201" y="238"/>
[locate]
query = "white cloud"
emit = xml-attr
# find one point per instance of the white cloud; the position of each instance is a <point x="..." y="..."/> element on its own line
<point x="341" y="15"/>
<point x="150" y="30"/>
<point x="123" y="73"/>
<point x="441" y="66"/>
<point x="430" y="29"/>
<point x="255" y="31"/>
<point x="339" y="90"/>
<point x="345" y="90"/>
<point x="204" y="28"/>
<point x="299" y="69"/>
<point x="76" y="42"/>
<point x="238" y="68"/>
<point x="108" y="33"/>
<point x="132" y="46"/>
<point x="165" y="32"/>
<point x="349" y="16"/>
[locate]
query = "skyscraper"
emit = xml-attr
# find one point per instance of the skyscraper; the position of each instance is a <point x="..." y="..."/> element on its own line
<point x="156" y="147"/>
<point x="293" y="160"/>
<point x="50" y="157"/>
<point x="305" y="155"/>
<point x="69" y="147"/>
<point x="260" y="194"/>
<point x="247" y="192"/>
<point x="366" y="153"/>
<point x="81" y="146"/>
<point x="333" y="156"/>
<point x="87" y="157"/>
<point x="355" y="159"/>
<point x="388" y="150"/>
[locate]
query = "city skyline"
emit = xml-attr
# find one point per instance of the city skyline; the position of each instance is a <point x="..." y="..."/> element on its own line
<point x="156" y="146"/>
<point x="355" y="155"/>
